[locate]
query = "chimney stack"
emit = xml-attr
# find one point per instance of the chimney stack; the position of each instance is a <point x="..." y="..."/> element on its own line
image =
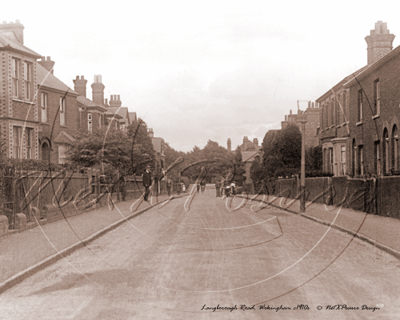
<point x="47" y="63"/>
<point x="80" y="85"/>
<point x="229" y="145"/>
<point x="255" y="142"/>
<point x="380" y="42"/>
<point x="98" y="90"/>
<point x="151" y="133"/>
<point x="13" y="30"/>
<point x="115" y="100"/>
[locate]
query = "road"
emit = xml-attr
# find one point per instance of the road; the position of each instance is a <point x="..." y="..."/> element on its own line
<point x="199" y="258"/>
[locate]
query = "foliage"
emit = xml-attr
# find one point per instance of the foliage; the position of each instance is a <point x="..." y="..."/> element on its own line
<point x="314" y="159"/>
<point x="114" y="150"/>
<point x="239" y="171"/>
<point x="216" y="160"/>
<point x="171" y="155"/>
<point x="282" y="151"/>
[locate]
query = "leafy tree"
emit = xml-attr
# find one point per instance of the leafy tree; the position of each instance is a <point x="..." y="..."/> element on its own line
<point x="239" y="170"/>
<point x="140" y="146"/>
<point x="113" y="150"/>
<point x="314" y="159"/>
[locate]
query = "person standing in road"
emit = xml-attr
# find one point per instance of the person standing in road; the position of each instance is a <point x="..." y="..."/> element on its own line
<point x="147" y="182"/>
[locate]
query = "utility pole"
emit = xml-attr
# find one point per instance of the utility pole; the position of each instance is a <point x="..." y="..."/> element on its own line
<point x="303" y="167"/>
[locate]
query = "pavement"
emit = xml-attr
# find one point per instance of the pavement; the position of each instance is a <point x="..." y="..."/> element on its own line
<point x="25" y="253"/>
<point x="382" y="232"/>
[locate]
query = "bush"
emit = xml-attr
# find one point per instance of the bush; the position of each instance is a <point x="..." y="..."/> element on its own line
<point x="33" y="165"/>
<point x="317" y="173"/>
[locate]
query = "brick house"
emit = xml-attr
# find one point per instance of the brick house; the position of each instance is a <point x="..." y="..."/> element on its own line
<point x="58" y="113"/>
<point x="91" y="114"/>
<point x="340" y="127"/>
<point x="375" y="114"/>
<point x="19" y="118"/>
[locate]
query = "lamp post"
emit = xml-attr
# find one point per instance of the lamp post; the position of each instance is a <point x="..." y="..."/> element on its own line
<point x="303" y="167"/>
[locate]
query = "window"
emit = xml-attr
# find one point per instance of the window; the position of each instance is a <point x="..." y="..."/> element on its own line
<point x="342" y="160"/>
<point x="354" y="157"/>
<point x="17" y="148"/>
<point x="385" y="151"/>
<point x="27" y="80"/>
<point x="29" y="139"/>
<point x="15" y="77"/>
<point x="338" y="112"/>
<point x="395" y="140"/>
<point x="62" y="111"/>
<point x="330" y="160"/>
<point x="360" y="158"/>
<point x="89" y="124"/>
<point x="43" y="104"/>
<point x="360" y="102"/>
<point x="377" y="98"/>
<point x="100" y="120"/>
<point x="344" y="108"/>
<point x="62" y="154"/>
<point x="377" y="158"/>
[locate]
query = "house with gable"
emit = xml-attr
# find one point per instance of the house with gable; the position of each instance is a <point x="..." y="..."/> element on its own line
<point x="58" y="113"/>
<point x="19" y="117"/>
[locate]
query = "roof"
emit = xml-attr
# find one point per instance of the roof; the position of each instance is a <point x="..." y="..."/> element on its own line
<point x="64" y="138"/>
<point x="249" y="156"/>
<point x="90" y="104"/>
<point x="369" y="68"/>
<point x="132" y="116"/>
<point x="113" y="115"/>
<point x="121" y="111"/>
<point x="6" y="43"/>
<point x="49" y="80"/>
<point x="341" y="83"/>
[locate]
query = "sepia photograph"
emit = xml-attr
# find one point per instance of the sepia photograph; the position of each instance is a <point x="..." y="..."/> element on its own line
<point x="175" y="160"/>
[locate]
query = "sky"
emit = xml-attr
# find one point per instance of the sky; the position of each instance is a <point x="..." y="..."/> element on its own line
<point x="205" y="70"/>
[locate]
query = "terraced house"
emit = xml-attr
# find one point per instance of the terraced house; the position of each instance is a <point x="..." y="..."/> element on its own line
<point x="359" y="115"/>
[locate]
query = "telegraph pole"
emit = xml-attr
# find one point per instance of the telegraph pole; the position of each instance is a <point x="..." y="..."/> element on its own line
<point x="303" y="167"/>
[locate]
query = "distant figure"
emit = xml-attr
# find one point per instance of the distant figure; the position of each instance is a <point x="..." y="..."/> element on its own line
<point x="169" y="183"/>
<point x="233" y="186"/>
<point x="218" y="189"/>
<point x="198" y="187"/>
<point x="147" y="182"/>
<point x="203" y="186"/>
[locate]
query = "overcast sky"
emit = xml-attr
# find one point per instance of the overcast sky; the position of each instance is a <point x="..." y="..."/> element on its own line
<point x="200" y="70"/>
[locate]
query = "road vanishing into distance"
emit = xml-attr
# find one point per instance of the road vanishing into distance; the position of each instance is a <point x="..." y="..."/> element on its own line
<point x="199" y="258"/>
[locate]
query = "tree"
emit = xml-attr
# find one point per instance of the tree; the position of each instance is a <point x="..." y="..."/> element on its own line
<point x="281" y="153"/>
<point x="239" y="170"/>
<point x="171" y="156"/>
<point x="113" y="150"/>
<point x="140" y="146"/>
